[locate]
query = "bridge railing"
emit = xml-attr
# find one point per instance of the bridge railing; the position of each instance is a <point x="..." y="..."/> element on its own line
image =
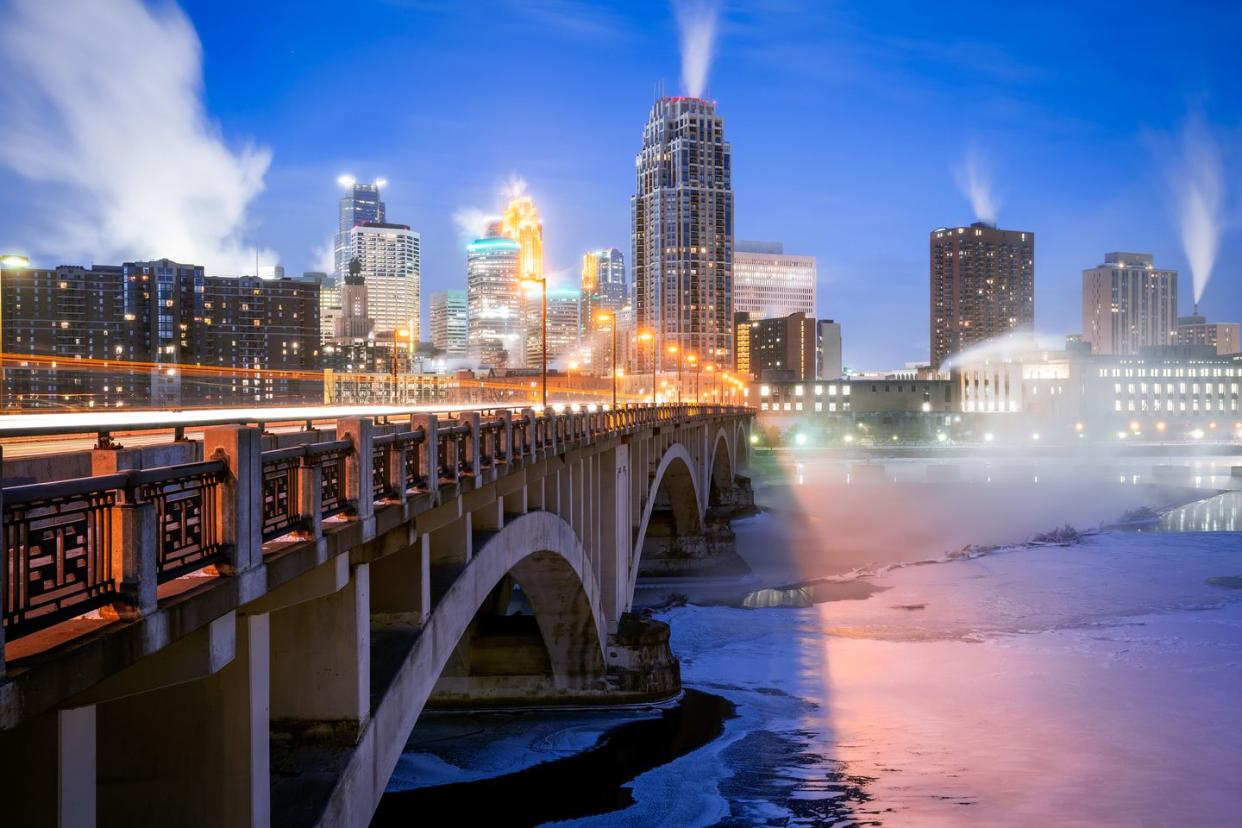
<point x="106" y="543"/>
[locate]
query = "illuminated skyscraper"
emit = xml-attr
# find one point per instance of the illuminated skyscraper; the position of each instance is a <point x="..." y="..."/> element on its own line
<point x="982" y="286"/>
<point x="682" y="223"/>
<point x="768" y="283"/>
<point x="1128" y="304"/>
<point x="389" y="254"/>
<point x="449" y="322"/>
<point x="521" y="223"/>
<point x="493" y="301"/>
<point x="563" y="326"/>
<point x="361" y="204"/>
<point x="603" y="285"/>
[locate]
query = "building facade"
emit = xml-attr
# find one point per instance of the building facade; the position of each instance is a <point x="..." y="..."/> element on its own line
<point x="449" y="320"/>
<point x="389" y="259"/>
<point x="604" y="287"/>
<point x="493" y="301"/>
<point x="784" y="347"/>
<point x="682" y="226"/>
<point x="982" y="286"/>
<point x="1222" y="337"/>
<point x="564" y="328"/>
<point x="360" y="204"/>
<point x="769" y="283"/>
<point x="155" y="334"/>
<point x="1128" y="304"/>
<point x="829" y="363"/>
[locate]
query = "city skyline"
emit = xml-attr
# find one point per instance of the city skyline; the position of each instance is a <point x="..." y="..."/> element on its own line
<point x="1109" y="158"/>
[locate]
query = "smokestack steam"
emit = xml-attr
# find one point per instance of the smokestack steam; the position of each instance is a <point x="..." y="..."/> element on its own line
<point x="1197" y="180"/>
<point x="696" y="20"/>
<point x="974" y="179"/>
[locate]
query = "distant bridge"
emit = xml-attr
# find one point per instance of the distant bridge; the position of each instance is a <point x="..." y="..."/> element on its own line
<point x="242" y="630"/>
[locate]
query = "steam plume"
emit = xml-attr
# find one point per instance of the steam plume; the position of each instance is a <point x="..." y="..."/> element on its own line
<point x="514" y="187"/>
<point x="472" y="223"/>
<point x="1197" y="181"/>
<point x="696" y="20"/>
<point x="974" y="179"/>
<point x="104" y="102"/>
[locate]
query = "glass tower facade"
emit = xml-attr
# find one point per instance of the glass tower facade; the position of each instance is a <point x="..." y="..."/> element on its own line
<point x="682" y="226"/>
<point x="493" y="301"/>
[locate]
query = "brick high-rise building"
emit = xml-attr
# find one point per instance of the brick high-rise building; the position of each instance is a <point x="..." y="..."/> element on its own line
<point x="156" y="334"/>
<point x="982" y="286"/>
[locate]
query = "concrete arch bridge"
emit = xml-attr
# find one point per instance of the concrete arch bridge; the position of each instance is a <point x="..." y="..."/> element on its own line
<point x="240" y="622"/>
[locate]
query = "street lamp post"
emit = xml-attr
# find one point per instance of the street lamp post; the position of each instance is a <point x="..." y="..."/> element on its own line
<point x="400" y="333"/>
<point x="648" y="336"/>
<point x="611" y="317"/>
<point x="694" y="363"/>
<point x="542" y="281"/>
<point x="673" y="349"/>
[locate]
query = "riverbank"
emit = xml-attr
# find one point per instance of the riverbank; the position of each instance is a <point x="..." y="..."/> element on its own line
<point x="587" y="783"/>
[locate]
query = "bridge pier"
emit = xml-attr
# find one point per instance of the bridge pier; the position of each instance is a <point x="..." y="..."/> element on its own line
<point x="161" y="745"/>
<point x="323" y="644"/>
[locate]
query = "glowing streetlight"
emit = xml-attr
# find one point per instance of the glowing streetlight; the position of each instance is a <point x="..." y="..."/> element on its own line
<point x="673" y="349"/>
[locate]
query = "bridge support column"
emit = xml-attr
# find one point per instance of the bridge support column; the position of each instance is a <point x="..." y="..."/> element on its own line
<point x="615" y="533"/>
<point x="194" y="753"/>
<point x="321" y="662"/>
<point x="47" y="770"/>
<point x="401" y="588"/>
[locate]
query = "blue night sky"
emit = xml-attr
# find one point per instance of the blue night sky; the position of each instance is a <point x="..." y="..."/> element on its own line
<point x="847" y="121"/>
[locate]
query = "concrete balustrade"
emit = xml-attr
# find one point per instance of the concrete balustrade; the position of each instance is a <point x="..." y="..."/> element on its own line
<point x="492" y="560"/>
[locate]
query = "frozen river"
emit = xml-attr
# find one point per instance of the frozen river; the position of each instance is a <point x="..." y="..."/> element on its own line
<point x="979" y="680"/>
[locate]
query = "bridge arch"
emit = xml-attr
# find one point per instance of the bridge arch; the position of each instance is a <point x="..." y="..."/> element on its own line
<point x="741" y="447"/>
<point x="542" y="553"/>
<point x="722" y="468"/>
<point x="676" y="477"/>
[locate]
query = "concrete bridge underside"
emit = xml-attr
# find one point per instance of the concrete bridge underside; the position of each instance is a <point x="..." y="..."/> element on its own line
<point x="285" y="694"/>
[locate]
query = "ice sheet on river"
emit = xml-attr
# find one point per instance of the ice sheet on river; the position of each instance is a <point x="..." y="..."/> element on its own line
<point x="1092" y="684"/>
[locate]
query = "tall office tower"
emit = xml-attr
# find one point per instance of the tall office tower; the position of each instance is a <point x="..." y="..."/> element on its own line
<point x="829" y="364"/>
<point x="784" y="345"/>
<point x="449" y="322"/>
<point x="564" y="324"/>
<point x="1128" y="304"/>
<point x="982" y="286"/>
<point x="520" y="222"/>
<point x="603" y="285"/>
<point x="493" y="302"/>
<point x="1196" y="330"/>
<point x="682" y="228"/>
<point x="768" y="283"/>
<point x="355" y="323"/>
<point x="389" y="256"/>
<point x="361" y="204"/>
